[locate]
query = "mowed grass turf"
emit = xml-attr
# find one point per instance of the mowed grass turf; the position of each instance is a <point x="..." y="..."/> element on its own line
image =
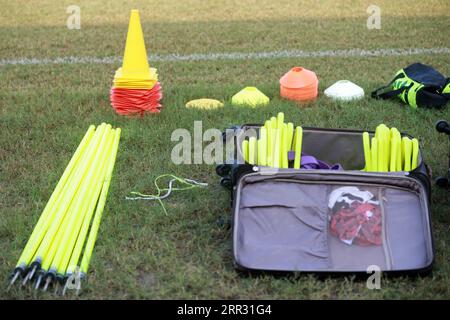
<point x="140" y="251"/>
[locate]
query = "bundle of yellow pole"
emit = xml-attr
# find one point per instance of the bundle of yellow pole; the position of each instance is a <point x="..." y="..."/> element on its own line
<point x="53" y="250"/>
<point x="388" y="151"/>
<point x="276" y="139"/>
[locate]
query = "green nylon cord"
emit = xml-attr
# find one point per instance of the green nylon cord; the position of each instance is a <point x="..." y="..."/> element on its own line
<point x="190" y="184"/>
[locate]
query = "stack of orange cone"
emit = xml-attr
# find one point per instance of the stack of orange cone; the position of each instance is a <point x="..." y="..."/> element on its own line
<point x="136" y="89"/>
<point x="299" y="84"/>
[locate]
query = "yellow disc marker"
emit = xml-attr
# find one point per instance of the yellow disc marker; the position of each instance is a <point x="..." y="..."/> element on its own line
<point x="205" y="104"/>
<point x="367" y="155"/>
<point x="298" y="147"/>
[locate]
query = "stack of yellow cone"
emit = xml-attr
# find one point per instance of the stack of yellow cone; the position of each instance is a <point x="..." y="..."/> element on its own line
<point x="389" y="151"/>
<point x="136" y="88"/>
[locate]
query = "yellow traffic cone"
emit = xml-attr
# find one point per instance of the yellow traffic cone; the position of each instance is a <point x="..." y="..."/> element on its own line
<point x="135" y="72"/>
<point x="135" y="63"/>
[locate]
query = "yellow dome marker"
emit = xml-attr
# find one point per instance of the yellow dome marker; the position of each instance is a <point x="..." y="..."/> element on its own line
<point x="204" y="103"/>
<point x="250" y="96"/>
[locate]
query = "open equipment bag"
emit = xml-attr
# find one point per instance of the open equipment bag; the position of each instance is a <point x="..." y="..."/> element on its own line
<point x="334" y="221"/>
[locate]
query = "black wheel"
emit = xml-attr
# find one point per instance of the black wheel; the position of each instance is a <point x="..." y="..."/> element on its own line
<point x="442" y="182"/>
<point x="226" y="183"/>
<point x="222" y="170"/>
<point x="443" y="126"/>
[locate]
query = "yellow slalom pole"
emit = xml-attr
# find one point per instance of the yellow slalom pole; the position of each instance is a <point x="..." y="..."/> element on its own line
<point x="273" y="122"/>
<point x="290" y="136"/>
<point x="284" y="147"/>
<point x="50" y="254"/>
<point x="271" y="148"/>
<point x="78" y="236"/>
<point x="298" y="147"/>
<point x="415" y="153"/>
<point x="78" y="204"/>
<point x="374" y="157"/>
<point x="280" y="120"/>
<point x="277" y="149"/>
<point x="387" y="150"/>
<point x="408" y="152"/>
<point x="399" y="162"/>
<point x="65" y="201"/>
<point x="252" y="150"/>
<point x="245" y="150"/>
<point x="367" y="155"/>
<point x="46" y="216"/>
<point x="61" y="206"/>
<point x="394" y="148"/>
<point x="262" y="146"/>
<point x="268" y="143"/>
<point x="100" y="206"/>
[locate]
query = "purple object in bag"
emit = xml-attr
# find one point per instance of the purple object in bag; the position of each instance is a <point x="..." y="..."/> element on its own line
<point x="310" y="162"/>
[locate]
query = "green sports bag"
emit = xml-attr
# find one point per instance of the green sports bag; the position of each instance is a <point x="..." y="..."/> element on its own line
<point x="418" y="85"/>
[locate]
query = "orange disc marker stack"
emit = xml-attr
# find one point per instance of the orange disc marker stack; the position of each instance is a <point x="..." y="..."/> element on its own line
<point x="299" y="84"/>
<point x="136" y="89"/>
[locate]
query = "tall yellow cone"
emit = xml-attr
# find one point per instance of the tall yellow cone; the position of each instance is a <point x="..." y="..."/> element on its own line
<point x="135" y="63"/>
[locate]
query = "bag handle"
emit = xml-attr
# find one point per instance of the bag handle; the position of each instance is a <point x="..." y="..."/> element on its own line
<point x="387" y="94"/>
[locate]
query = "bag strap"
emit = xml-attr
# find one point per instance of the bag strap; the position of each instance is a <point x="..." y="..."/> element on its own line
<point x="387" y="94"/>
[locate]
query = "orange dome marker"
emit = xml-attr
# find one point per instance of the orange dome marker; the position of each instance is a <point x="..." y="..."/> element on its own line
<point x="299" y="84"/>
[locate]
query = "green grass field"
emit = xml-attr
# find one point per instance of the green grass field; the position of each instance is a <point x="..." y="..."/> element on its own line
<point x="141" y="253"/>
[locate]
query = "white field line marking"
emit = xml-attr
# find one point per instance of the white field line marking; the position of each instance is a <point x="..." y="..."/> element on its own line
<point x="233" y="56"/>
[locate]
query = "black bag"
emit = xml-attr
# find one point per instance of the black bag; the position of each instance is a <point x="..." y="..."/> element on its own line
<point x="417" y="85"/>
<point x="298" y="219"/>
